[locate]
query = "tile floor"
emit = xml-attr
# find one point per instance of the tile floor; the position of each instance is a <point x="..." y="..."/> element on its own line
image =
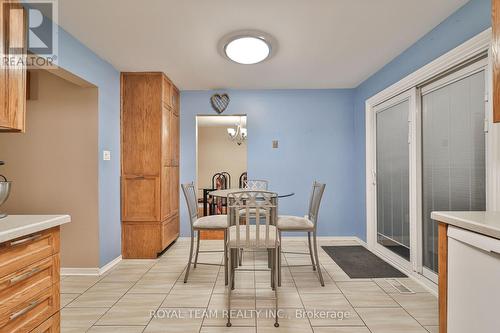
<point x="124" y="299"/>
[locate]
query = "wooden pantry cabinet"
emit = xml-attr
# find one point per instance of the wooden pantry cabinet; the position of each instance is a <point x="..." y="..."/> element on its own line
<point x="150" y="163"/>
<point x="12" y="67"/>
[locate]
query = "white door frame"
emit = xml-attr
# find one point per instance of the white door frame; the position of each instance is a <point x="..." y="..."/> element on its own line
<point x="469" y="50"/>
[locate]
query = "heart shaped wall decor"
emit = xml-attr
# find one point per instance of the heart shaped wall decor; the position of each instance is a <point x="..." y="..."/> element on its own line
<point x="219" y="102"/>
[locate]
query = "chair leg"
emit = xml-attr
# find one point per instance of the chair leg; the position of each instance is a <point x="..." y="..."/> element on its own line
<point x="279" y="260"/>
<point x="230" y="287"/>
<point x="276" y="265"/>
<point x="225" y="258"/>
<point x="317" y="260"/>
<point x="240" y="257"/>
<point x="310" y="250"/>
<point x="190" y="257"/>
<point x="233" y="262"/>
<point x="197" y="248"/>
<point x="273" y="266"/>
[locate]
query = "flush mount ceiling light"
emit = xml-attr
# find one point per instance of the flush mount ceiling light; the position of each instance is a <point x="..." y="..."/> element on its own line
<point x="247" y="47"/>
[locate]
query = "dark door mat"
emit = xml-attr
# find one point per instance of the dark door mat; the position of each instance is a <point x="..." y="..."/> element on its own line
<point x="359" y="263"/>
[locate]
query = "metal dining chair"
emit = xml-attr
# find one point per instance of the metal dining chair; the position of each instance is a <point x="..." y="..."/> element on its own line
<point x="220" y="181"/>
<point x="307" y="224"/>
<point x="254" y="185"/>
<point x="198" y="224"/>
<point x="262" y="235"/>
<point x="243" y="178"/>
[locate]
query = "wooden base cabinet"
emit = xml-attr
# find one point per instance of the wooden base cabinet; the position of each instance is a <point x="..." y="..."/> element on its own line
<point x="150" y="164"/>
<point x="30" y="283"/>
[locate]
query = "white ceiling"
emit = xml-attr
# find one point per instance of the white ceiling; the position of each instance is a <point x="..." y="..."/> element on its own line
<point x="322" y="43"/>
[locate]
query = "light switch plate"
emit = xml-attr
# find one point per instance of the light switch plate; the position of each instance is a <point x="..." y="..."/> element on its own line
<point x="106" y="155"/>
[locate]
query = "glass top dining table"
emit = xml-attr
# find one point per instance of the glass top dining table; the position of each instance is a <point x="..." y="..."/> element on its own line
<point x="225" y="193"/>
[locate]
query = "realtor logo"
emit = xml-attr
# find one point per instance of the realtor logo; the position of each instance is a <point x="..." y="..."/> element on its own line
<point x="30" y="33"/>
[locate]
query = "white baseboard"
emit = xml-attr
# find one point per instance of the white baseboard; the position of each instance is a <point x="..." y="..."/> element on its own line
<point x="91" y="271"/>
<point x="110" y="265"/>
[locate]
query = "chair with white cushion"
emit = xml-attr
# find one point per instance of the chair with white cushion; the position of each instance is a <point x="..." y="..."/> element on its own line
<point x="307" y="224"/>
<point x="211" y="222"/>
<point x="257" y="233"/>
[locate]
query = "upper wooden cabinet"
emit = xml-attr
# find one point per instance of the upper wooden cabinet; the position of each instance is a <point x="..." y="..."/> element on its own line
<point x="12" y="74"/>
<point x="150" y="159"/>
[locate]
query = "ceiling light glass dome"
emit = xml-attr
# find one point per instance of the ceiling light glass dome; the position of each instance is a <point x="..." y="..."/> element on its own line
<point x="247" y="47"/>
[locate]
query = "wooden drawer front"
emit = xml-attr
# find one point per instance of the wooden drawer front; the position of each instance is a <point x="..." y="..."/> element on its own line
<point x="170" y="231"/>
<point x="141" y="198"/>
<point x="51" y="325"/>
<point x="18" y="287"/>
<point x="31" y="313"/>
<point x="24" y="251"/>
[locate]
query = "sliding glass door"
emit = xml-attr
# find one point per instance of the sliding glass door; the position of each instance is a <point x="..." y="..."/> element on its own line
<point x="428" y="154"/>
<point x="453" y="151"/>
<point x="392" y="176"/>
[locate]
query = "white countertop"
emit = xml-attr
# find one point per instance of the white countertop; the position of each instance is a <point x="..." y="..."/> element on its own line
<point x="14" y="226"/>
<point x="485" y="223"/>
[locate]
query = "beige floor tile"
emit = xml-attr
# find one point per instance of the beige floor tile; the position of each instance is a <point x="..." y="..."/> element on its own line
<point x="122" y="276"/>
<point x="389" y="320"/>
<point x="116" y="329"/>
<point x="330" y="310"/>
<point x="180" y="299"/>
<point x="80" y="317"/>
<point x="67" y="298"/>
<point x="286" y="299"/>
<point x="421" y="306"/>
<point x="366" y="294"/>
<point x="432" y="329"/>
<point x="146" y="285"/>
<point x="111" y="287"/>
<point x="95" y="300"/>
<point x="77" y="284"/>
<point x="341" y="330"/>
<point x="127" y="316"/>
<point x="151" y="287"/>
<point x="233" y="329"/>
<point x="73" y="330"/>
<point x="176" y="320"/>
<point x="408" y="282"/>
<point x="141" y="300"/>
<point x="132" y="309"/>
<point x="288" y="322"/>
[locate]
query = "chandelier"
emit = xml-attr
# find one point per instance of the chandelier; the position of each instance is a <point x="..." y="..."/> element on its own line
<point x="237" y="134"/>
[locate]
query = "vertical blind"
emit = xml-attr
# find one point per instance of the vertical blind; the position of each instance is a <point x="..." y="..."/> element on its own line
<point x="392" y="156"/>
<point x="453" y="154"/>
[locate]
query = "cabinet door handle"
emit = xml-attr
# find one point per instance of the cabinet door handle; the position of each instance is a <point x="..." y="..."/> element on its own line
<point x="25" y="240"/>
<point x="25" y="275"/>
<point x="25" y="310"/>
<point x="139" y="177"/>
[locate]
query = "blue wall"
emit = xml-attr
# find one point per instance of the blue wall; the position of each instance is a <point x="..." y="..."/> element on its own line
<point x="473" y="18"/>
<point x="81" y="61"/>
<point x="315" y="129"/>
